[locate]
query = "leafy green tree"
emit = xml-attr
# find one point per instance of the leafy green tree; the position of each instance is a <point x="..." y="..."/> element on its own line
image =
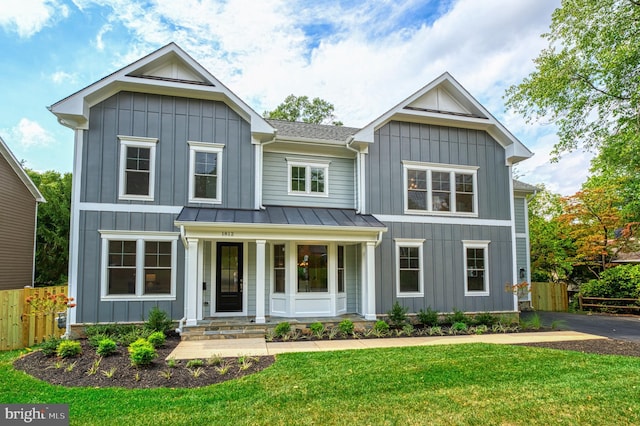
<point x="52" y="234"/>
<point x="301" y="108"/>
<point x="587" y="80"/>
<point x="551" y="249"/>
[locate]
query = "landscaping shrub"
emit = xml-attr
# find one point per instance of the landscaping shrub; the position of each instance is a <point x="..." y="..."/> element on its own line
<point x="397" y="315"/>
<point x="141" y="352"/>
<point x="457" y="316"/>
<point x="157" y="339"/>
<point x="133" y="334"/>
<point x="428" y="317"/>
<point x="282" y="329"/>
<point x="50" y="346"/>
<point x="619" y="282"/>
<point x="459" y="327"/>
<point x="69" y="348"/>
<point x="317" y="329"/>
<point x="381" y="326"/>
<point x="485" y="318"/>
<point x="106" y="347"/>
<point x="158" y="320"/>
<point x="346" y="327"/>
<point x="194" y="363"/>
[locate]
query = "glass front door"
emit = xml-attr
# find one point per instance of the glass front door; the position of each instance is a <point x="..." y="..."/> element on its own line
<point x="229" y="277"/>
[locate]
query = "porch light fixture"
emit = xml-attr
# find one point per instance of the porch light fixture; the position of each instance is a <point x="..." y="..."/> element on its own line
<point x="522" y="273"/>
<point x="61" y="319"/>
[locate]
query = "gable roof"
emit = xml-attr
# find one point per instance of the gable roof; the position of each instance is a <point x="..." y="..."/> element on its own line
<point x="17" y="168"/>
<point x="167" y="71"/>
<point x="519" y="186"/>
<point x="445" y="102"/>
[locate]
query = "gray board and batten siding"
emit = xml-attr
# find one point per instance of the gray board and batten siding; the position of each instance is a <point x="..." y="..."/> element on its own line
<point x="341" y="182"/>
<point x="443" y="255"/>
<point x="174" y="121"/>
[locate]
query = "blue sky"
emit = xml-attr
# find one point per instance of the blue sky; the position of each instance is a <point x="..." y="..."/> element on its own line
<point x="364" y="57"/>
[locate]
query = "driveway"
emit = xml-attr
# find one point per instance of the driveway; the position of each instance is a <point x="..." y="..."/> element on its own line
<point x="614" y="327"/>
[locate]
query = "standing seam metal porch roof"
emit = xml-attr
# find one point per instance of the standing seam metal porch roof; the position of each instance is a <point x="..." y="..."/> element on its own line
<point x="276" y="215"/>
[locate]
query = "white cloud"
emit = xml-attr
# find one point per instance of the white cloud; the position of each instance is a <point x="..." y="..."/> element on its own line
<point x="61" y="77"/>
<point x="27" y="17"/>
<point x="30" y="134"/>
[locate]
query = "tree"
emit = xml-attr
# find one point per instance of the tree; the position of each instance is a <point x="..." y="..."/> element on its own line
<point x="551" y="249"/>
<point x="587" y="81"/>
<point x="596" y="226"/>
<point x="300" y="108"/>
<point x="52" y="234"/>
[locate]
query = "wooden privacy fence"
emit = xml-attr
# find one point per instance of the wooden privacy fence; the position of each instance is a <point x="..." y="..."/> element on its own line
<point x="21" y="327"/>
<point x="549" y="297"/>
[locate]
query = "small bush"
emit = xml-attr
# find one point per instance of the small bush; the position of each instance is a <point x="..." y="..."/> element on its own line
<point x="459" y="326"/>
<point x="457" y="316"/>
<point x="317" y="329"/>
<point x="397" y="315"/>
<point x="346" y="327"/>
<point x="381" y="326"/>
<point x="282" y="329"/>
<point x="157" y="339"/>
<point x="158" y="320"/>
<point x="408" y="329"/>
<point x="141" y="352"/>
<point x="68" y="349"/>
<point x="485" y="318"/>
<point x="132" y="334"/>
<point x="50" y="346"/>
<point x="428" y="317"/>
<point x="194" y="363"/>
<point x="106" y="347"/>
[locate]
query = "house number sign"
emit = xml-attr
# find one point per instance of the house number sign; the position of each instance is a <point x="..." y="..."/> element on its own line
<point x="227" y="234"/>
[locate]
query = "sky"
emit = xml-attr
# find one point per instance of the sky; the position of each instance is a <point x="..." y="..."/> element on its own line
<point x="362" y="56"/>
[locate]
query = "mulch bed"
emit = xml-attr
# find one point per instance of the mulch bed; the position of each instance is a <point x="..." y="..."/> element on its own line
<point x="128" y="376"/>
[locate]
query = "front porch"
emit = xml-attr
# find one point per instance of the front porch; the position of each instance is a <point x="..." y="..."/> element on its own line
<point x="246" y="327"/>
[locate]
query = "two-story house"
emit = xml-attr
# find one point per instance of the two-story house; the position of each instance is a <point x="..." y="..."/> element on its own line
<point x="185" y="198"/>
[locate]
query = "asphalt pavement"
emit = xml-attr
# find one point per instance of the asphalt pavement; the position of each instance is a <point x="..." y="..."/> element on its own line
<point x="623" y="327"/>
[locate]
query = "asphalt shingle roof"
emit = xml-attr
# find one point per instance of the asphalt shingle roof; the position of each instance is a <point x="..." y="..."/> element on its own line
<point x="297" y="129"/>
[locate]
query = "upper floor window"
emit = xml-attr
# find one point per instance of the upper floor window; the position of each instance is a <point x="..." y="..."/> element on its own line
<point x="476" y="274"/>
<point x="308" y="177"/>
<point x="137" y="168"/>
<point x="440" y="189"/>
<point x="205" y="172"/>
<point x="139" y="265"/>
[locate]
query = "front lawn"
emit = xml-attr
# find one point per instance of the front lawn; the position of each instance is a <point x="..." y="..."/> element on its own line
<point x="476" y="384"/>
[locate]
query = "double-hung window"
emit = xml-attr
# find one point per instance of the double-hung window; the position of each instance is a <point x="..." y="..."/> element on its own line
<point x="476" y="272"/>
<point x="139" y="265"/>
<point x="440" y="188"/>
<point x="137" y="168"/>
<point x="409" y="267"/>
<point x="205" y="172"/>
<point x="308" y="177"/>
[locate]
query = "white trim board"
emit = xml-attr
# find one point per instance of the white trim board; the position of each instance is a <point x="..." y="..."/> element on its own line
<point x="129" y="208"/>
<point x="441" y="220"/>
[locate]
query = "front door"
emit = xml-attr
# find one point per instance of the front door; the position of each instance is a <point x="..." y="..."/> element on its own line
<point x="229" y="277"/>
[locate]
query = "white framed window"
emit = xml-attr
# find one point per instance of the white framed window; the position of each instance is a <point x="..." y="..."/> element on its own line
<point x="138" y="265"/>
<point x="409" y="267"/>
<point x="313" y="268"/>
<point x="440" y="189"/>
<point x="279" y="268"/>
<point x="341" y="277"/>
<point x="476" y="268"/>
<point x="308" y="177"/>
<point x="136" y="180"/>
<point x="205" y="172"/>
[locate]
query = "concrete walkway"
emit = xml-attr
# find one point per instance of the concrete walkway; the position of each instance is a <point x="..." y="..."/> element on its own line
<point x="259" y="347"/>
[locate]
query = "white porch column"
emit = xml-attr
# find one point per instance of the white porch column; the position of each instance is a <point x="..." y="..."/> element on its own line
<point x="191" y="285"/>
<point x="369" y="287"/>
<point x="260" y="281"/>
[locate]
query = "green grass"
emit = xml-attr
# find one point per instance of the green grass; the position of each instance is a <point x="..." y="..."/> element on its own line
<point x="475" y="384"/>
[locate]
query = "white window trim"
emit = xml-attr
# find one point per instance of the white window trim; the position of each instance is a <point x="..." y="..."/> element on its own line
<point x="273" y="268"/>
<point x="476" y="244"/>
<point x="410" y="242"/>
<point x="216" y="148"/>
<point x="139" y="142"/>
<point x="308" y="164"/>
<point x="438" y="167"/>
<point x="140" y="238"/>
